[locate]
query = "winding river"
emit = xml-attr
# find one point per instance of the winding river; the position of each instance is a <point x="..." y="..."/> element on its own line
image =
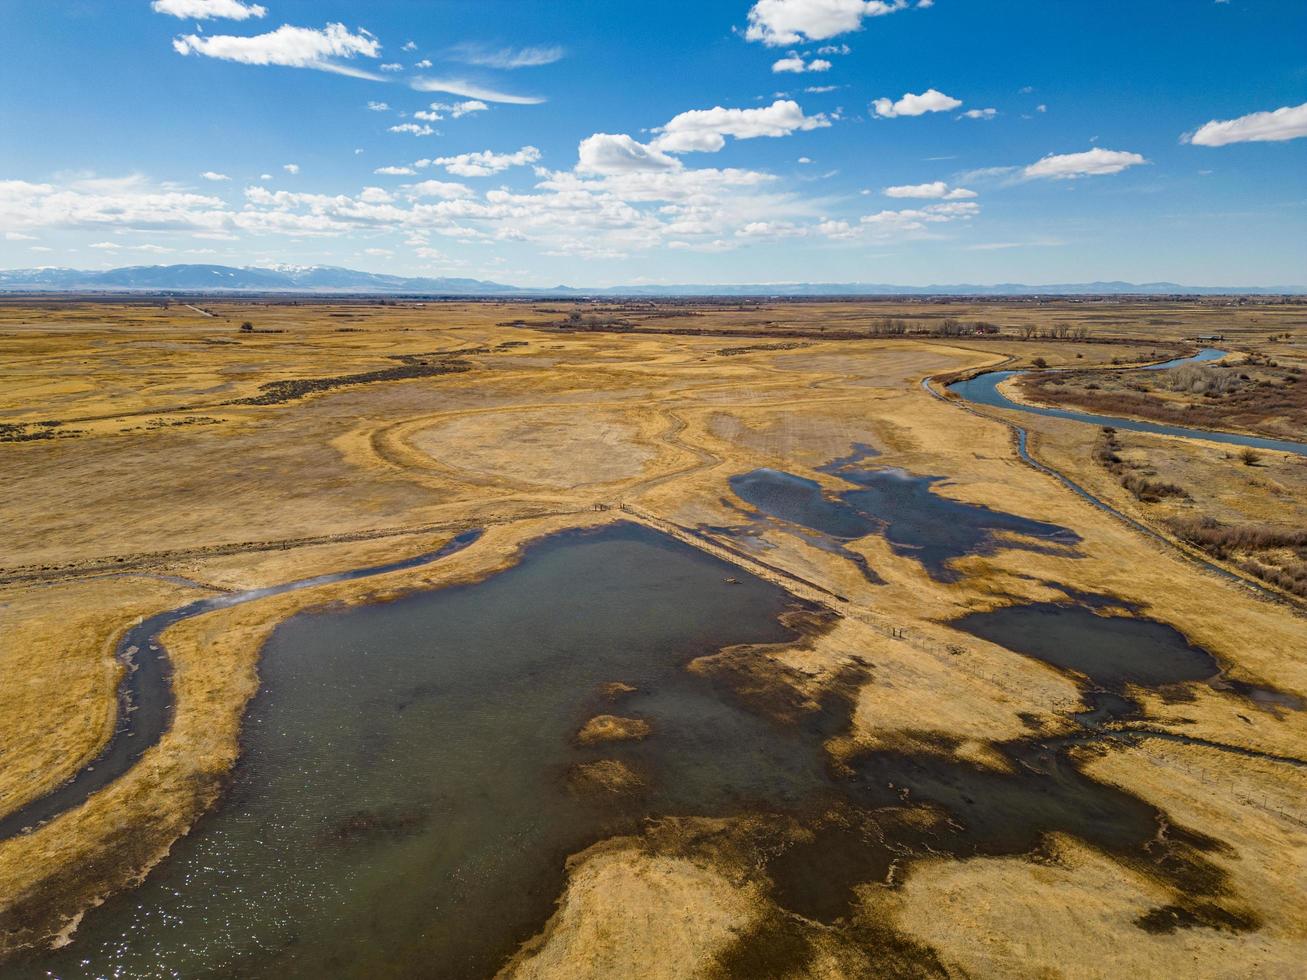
<point x="983" y="389"/>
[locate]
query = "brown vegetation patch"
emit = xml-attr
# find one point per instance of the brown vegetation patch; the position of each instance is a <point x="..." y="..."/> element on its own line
<point x="612" y="728"/>
<point x="610" y="777"/>
<point x="1258" y="395"/>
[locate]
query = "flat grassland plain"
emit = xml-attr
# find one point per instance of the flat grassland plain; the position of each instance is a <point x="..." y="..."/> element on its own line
<point x="157" y="454"/>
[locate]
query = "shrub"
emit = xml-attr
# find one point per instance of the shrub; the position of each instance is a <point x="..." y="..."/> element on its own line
<point x="1249" y="457"/>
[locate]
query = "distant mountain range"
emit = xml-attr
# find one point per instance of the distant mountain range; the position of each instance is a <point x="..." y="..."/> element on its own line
<point x="325" y="279"/>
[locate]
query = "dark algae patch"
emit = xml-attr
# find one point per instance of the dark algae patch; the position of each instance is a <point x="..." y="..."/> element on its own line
<point x="917" y="522"/>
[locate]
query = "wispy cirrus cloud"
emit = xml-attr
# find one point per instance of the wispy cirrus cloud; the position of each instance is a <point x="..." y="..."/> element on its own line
<point x="472" y="90"/>
<point x="508" y="58"/>
<point x="290" y="47"/>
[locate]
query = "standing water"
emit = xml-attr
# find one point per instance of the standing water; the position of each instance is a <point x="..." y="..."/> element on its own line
<point x="402" y="806"/>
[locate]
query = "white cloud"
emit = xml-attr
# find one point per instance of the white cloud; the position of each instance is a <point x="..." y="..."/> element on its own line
<point x="454" y="109"/>
<point x="291" y="168"/>
<point x="820" y="89"/>
<point x="444" y="189"/>
<point x="392" y="66"/>
<point x="794" y="63"/>
<point x="705" y="130"/>
<point x="105" y="246"/>
<point x="100" y="203"/>
<point x="265" y="176"/>
<point x="18" y="236"/>
<point x="930" y="100"/>
<point x="413" y="129"/>
<point x="424" y="63"/>
<point x="936" y="190"/>
<point x="617" y="153"/>
<point x="484" y="163"/>
<point x="834" y="49"/>
<point x="1287" y="123"/>
<point x="395" y="171"/>
<point x="1091" y="163"/>
<point x="529" y="57"/>
<point x="979" y="114"/>
<point x="410" y="46"/>
<point x="915" y="222"/>
<point x="379" y="106"/>
<point x="205" y="9"/>
<point x="777" y="23"/>
<point x="293" y="47"/>
<point x="470" y="90"/>
<point x="375" y="195"/>
<point x="212" y="175"/>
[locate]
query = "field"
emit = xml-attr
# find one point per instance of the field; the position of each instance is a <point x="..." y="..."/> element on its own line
<point x="159" y="452"/>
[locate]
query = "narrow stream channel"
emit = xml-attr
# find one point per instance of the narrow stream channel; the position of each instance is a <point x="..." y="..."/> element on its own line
<point x="145" y="692"/>
<point x="983" y="389"/>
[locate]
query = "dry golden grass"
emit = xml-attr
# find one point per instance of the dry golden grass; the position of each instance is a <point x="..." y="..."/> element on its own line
<point x="526" y="443"/>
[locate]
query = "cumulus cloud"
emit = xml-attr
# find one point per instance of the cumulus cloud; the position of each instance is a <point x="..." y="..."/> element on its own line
<point x="1287" y="123"/>
<point x="379" y="106"/>
<point x="98" y="203"/>
<point x="470" y="90"/>
<point x="454" y="110"/>
<point x="214" y="176"/>
<point x="413" y="129"/>
<point x="206" y="9"/>
<point x="443" y="189"/>
<point x="930" y="100"/>
<point x="617" y="153"/>
<point x="508" y="58"/>
<point x="794" y="63"/>
<point x="291" y="47"/>
<point x="395" y="171"/>
<point x="979" y="114"/>
<point x="291" y="168"/>
<point x="483" y="163"/>
<point x="705" y="130"/>
<point x="1091" y="163"/>
<point x="935" y="190"/>
<point x="777" y="23"/>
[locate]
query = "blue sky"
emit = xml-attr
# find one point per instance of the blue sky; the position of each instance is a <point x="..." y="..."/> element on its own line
<point x="591" y="142"/>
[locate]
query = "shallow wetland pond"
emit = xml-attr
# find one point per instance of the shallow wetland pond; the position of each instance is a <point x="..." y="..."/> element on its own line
<point x="403" y="806"/>
<point x="408" y="790"/>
